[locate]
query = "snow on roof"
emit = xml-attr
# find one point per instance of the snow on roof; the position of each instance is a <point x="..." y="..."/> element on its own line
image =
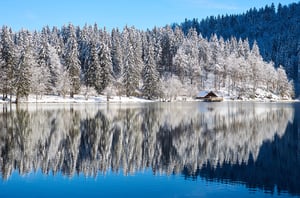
<point x="202" y="93"/>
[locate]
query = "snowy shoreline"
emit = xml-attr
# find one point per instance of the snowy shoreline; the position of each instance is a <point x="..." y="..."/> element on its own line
<point x="81" y="99"/>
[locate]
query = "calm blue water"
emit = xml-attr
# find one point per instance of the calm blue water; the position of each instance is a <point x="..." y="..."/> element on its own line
<point x="143" y="184"/>
<point x="151" y="150"/>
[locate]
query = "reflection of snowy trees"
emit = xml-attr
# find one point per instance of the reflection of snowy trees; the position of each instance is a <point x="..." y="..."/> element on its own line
<point x="275" y="170"/>
<point x="165" y="137"/>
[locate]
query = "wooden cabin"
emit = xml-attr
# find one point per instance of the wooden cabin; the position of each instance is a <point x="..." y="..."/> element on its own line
<point x="209" y="96"/>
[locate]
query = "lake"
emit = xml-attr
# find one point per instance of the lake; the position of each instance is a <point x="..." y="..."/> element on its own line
<point x="191" y="149"/>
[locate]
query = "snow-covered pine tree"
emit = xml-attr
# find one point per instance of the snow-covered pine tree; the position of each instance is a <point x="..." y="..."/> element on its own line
<point x="150" y="75"/>
<point x="84" y="48"/>
<point x="56" y="41"/>
<point x="269" y="77"/>
<point x="38" y="83"/>
<point x="155" y="36"/>
<point x="63" y="83"/>
<point x="203" y="48"/>
<point x="223" y="67"/>
<point x="104" y="37"/>
<point x="233" y="46"/>
<point x="8" y="62"/>
<point x="215" y="56"/>
<point x="96" y="32"/>
<point x="132" y="61"/>
<point x="93" y="65"/>
<point x="181" y="62"/>
<point x="187" y="61"/>
<point x="176" y="42"/>
<point x="246" y="48"/>
<point x="256" y="61"/>
<point x="284" y="87"/>
<point x="47" y="79"/>
<point x="166" y="44"/>
<point x="56" y="69"/>
<point x="192" y="49"/>
<point x="22" y="74"/>
<point x="104" y="76"/>
<point x="240" y="49"/>
<point x="56" y="50"/>
<point x="116" y="53"/>
<point x="71" y="61"/>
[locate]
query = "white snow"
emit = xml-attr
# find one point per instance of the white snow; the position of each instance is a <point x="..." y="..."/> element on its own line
<point x="93" y="97"/>
<point x="202" y="93"/>
<point x="81" y="99"/>
<point x="77" y="99"/>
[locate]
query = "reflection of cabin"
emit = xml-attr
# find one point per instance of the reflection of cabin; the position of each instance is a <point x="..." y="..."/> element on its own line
<point x="209" y="96"/>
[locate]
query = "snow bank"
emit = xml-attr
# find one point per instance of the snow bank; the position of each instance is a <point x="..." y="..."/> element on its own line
<point x="77" y="99"/>
<point x="261" y="97"/>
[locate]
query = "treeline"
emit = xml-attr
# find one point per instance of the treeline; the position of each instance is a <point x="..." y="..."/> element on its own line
<point x="161" y="63"/>
<point x="276" y="30"/>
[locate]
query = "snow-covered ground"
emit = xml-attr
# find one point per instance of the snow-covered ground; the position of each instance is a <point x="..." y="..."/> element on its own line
<point x="78" y="99"/>
<point x="123" y="99"/>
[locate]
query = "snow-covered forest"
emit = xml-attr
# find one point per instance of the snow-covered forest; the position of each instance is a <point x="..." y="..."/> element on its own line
<point x="158" y="63"/>
<point x="275" y="28"/>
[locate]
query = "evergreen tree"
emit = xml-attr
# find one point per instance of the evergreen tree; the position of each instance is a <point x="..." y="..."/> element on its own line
<point x="155" y="37"/>
<point x="93" y="65"/>
<point x="187" y="61"/>
<point x="56" y="69"/>
<point x="43" y="61"/>
<point x="84" y="47"/>
<point x="22" y="80"/>
<point x="241" y="50"/>
<point x="269" y="76"/>
<point x="284" y="88"/>
<point x="255" y="67"/>
<point x="56" y="41"/>
<point x="166" y="55"/>
<point x="215" y="57"/>
<point x="246" y="48"/>
<point x="150" y="74"/>
<point x="132" y="61"/>
<point x="116" y="53"/>
<point x="8" y="62"/>
<point x="71" y="61"/>
<point x="104" y="77"/>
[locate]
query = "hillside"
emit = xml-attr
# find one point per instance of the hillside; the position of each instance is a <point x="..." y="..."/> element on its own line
<point x="276" y="30"/>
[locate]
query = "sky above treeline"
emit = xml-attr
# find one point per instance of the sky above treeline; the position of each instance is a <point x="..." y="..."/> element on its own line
<point x="143" y="14"/>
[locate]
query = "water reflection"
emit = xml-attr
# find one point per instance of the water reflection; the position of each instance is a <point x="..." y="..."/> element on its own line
<point x="243" y="142"/>
<point x="274" y="170"/>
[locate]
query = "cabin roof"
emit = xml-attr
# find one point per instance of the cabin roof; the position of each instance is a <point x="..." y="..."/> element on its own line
<point x="204" y="93"/>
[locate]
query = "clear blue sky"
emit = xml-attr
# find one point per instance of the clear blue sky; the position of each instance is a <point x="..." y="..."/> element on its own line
<point x="143" y="14"/>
